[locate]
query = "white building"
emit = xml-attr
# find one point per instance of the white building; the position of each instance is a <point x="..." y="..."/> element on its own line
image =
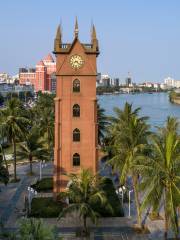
<point x="170" y="82"/>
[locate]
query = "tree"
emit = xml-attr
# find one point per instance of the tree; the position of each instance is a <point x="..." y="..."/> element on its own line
<point x="83" y="192"/>
<point x="102" y="124"/>
<point x="13" y="124"/>
<point x="161" y="174"/>
<point x="44" y="117"/>
<point x="1" y="99"/>
<point x="33" y="147"/>
<point x="128" y="134"/>
<point x="4" y="174"/>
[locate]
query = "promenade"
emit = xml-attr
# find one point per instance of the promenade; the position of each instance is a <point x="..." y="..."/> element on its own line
<point x="12" y="204"/>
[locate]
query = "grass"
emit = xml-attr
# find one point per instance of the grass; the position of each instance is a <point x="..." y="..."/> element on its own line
<point x="108" y="187"/>
<point x="44" y="185"/>
<point x="45" y="207"/>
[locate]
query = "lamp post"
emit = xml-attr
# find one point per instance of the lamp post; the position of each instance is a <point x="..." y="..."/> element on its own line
<point x="121" y="190"/>
<point x="31" y="193"/>
<point x="130" y="191"/>
<point x="42" y="164"/>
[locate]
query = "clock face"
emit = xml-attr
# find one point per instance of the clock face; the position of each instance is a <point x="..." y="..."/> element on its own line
<point x="76" y="61"/>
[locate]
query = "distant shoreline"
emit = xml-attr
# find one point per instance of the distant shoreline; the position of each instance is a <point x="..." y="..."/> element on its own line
<point x="132" y="93"/>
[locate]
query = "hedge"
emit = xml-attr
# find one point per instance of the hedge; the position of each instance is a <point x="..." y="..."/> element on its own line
<point x="45" y="207"/>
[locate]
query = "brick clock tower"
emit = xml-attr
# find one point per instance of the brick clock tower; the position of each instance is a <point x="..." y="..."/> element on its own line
<point x="75" y="107"/>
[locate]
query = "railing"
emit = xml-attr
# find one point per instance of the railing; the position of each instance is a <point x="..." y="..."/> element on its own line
<point x="65" y="45"/>
<point x="89" y="46"/>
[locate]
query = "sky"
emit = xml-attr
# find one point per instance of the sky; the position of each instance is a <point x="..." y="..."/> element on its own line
<point x="137" y="36"/>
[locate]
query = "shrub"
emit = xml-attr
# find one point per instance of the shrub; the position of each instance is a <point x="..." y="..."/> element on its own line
<point x="44" y="185"/>
<point x="45" y="208"/>
<point x="108" y="187"/>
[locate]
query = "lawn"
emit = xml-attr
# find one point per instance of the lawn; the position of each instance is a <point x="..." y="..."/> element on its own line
<point x="45" y="207"/>
<point x="44" y="185"/>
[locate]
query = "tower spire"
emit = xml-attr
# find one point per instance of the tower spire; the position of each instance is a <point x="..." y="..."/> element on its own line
<point x="58" y="33"/>
<point x="76" y="29"/>
<point x="93" y="32"/>
<point x="58" y="38"/>
<point x="94" y="40"/>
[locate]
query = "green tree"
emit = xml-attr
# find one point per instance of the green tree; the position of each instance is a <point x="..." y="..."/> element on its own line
<point x="13" y="124"/>
<point x="161" y="174"/>
<point x="33" y="147"/>
<point x="1" y="99"/>
<point x="4" y="174"/>
<point x="128" y="134"/>
<point x="83" y="192"/>
<point x="44" y="118"/>
<point x="102" y="124"/>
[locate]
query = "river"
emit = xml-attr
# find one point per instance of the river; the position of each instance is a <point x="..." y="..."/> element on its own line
<point x="156" y="105"/>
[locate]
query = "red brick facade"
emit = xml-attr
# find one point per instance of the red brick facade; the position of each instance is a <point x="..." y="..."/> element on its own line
<point x="75" y="108"/>
<point x="41" y="77"/>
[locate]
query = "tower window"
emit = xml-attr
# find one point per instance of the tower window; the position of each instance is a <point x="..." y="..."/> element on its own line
<point x="76" y="85"/>
<point x="76" y="135"/>
<point x="76" y="159"/>
<point x="76" y="110"/>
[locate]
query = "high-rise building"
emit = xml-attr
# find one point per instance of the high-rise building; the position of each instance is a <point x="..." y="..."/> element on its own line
<point x="75" y="107"/>
<point x="39" y="77"/>
<point x="128" y="80"/>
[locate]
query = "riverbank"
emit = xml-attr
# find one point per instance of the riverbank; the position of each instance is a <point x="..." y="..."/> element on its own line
<point x="174" y="97"/>
<point x="176" y="100"/>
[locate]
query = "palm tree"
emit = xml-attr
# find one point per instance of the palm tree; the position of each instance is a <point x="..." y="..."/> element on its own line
<point x="4" y="174"/>
<point x="102" y="124"/>
<point x="161" y="175"/>
<point x="44" y="117"/>
<point x="83" y="192"/>
<point x="128" y="134"/>
<point x="14" y="124"/>
<point x="33" y="147"/>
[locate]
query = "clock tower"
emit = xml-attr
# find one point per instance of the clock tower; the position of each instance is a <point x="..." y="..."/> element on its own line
<point x="75" y="107"/>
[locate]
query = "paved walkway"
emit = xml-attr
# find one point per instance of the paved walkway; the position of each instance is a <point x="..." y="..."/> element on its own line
<point x="11" y="199"/>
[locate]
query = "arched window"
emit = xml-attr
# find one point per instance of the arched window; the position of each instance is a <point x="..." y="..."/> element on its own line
<point x="76" y="159"/>
<point x="76" y="135"/>
<point x="76" y="110"/>
<point x="76" y="85"/>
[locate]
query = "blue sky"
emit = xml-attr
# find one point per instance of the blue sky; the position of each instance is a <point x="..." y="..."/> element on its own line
<point x="140" y="36"/>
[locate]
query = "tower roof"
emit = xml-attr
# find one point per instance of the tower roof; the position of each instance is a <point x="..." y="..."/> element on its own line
<point x="48" y="58"/>
<point x="40" y="63"/>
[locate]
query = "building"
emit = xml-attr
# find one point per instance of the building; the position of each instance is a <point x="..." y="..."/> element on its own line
<point x="6" y="89"/>
<point x="106" y="80"/>
<point x="40" y="76"/>
<point x="172" y="83"/>
<point x="116" y="82"/>
<point x="128" y="80"/>
<point x="75" y="107"/>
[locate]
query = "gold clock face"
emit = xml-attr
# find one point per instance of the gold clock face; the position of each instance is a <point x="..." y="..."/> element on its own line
<point x="76" y="61"/>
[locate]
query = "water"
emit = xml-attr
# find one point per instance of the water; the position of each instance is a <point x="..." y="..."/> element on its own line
<point x="157" y="105"/>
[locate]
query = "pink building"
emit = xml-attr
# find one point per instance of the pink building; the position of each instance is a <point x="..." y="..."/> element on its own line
<point x="41" y="76"/>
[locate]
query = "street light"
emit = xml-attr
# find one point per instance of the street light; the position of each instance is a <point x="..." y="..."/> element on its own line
<point x="31" y="193"/>
<point x="130" y="191"/>
<point x="121" y="190"/>
<point x="42" y="164"/>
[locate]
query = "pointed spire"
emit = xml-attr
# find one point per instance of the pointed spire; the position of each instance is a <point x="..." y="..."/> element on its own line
<point x="58" y="33"/>
<point x="57" y="41"/>
<point x="76" y="30"/>
<point x="94" y="40"/>
<point x="93" y="32"/>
